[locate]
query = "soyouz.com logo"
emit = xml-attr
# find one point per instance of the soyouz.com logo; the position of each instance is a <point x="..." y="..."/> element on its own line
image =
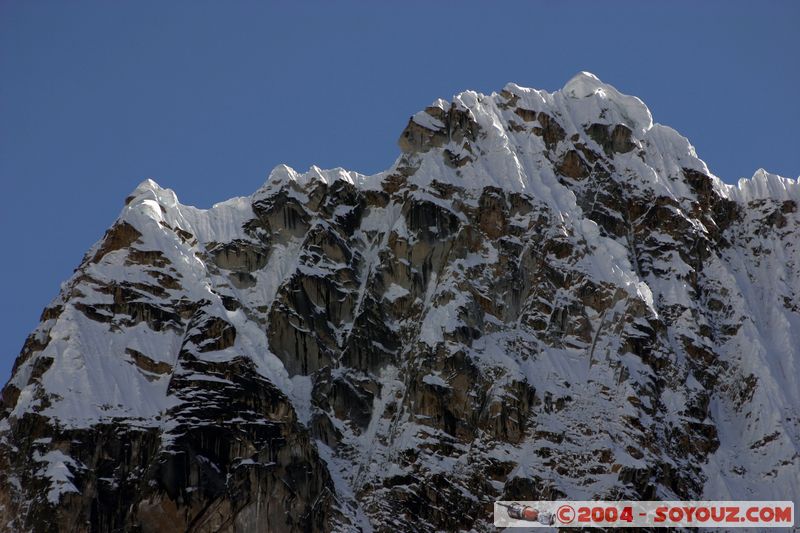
<point x="759" y="514"/>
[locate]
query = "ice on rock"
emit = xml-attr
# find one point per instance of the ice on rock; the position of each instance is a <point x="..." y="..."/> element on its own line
<point x="57" y="471"/>
<point x="427" y="121"/>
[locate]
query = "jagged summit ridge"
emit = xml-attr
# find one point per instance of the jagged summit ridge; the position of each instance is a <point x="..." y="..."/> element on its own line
<point x="583" y="101"/>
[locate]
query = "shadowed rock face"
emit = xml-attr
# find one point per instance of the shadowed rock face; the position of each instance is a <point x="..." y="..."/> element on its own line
<point x="398" y="352"/>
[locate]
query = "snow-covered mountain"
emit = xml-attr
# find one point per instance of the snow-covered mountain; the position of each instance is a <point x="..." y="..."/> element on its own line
<point x="547" y="295"/>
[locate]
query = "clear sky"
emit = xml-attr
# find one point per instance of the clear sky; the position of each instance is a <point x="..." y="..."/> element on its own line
<point x="207" y="97"/>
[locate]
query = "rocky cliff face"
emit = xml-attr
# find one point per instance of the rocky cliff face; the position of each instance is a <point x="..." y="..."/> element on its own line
<point x="546" y="296"/>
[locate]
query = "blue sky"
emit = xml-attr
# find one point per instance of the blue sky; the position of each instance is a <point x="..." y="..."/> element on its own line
<point x="207" y="97"/>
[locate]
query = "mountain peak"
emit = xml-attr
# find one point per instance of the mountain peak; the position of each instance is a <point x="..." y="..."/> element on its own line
<point x="149" y="189"/>
<point x="529" y="140"/>
<point x="451" y="329"/>
<point x="147" y="186"/>
<point x="583" y="84"/>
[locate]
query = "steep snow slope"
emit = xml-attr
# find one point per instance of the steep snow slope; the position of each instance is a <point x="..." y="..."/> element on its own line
<point x="546" y="295"/>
